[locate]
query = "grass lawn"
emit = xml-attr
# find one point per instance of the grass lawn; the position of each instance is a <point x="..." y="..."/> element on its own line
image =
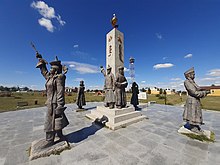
<point x="10" y="103"/>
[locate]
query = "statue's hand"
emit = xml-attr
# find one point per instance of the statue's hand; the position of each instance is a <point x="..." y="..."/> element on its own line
<point x="208" y="92"/>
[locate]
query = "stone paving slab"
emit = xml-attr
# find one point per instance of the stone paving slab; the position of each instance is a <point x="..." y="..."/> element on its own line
<point x="153" y="141"/>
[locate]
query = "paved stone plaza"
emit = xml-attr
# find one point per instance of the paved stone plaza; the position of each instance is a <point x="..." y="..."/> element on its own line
<point x="154" y="141"/>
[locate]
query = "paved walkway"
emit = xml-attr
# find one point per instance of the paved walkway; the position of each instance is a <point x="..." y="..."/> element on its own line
<point x="154" y="141"/>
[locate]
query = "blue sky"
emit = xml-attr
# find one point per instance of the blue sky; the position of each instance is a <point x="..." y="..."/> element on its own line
<point x="166" y="37"/>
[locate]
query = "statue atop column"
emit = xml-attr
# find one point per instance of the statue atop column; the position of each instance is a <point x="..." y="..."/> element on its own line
<point x="192" y="111"/>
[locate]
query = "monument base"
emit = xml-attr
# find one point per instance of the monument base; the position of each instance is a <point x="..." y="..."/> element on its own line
<point x="116" y="118"/>
<point x="37" y="149"/>
<point x="205" y="135"/>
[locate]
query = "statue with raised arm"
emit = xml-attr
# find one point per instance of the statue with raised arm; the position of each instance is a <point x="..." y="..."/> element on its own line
<point x="192" y="111"/>
<point x="109" y="87"/>
<point x="55" y="119"/>
<point x="120" y="85"/>
<point x="80" y="98"/>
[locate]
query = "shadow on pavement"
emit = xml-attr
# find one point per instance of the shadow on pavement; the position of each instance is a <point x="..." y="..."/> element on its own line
<point x="84" y="133"/>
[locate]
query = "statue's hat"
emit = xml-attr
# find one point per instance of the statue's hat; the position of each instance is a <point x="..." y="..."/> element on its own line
<point x="120" y="67"/>
<point x="109" y="67"/>
<point x="55" y="63"/>
<point x="191" y="70"/>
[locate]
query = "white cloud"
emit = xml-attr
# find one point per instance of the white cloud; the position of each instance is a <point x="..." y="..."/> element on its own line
<point x="76" y="46"/>
<point x="47" y="24"/>
<point x="165" y="65"/>
<point x="126" y="69"/>
<point x="188" y="56"/>
<point x="164" y="58"/>
<point x="214" y="72"/>
<point x="82" y="68"/>
<point x="175" y="79"/>
<point x="44" y="9"/>
<point x="48" y="14"/>
<point x="62" y="23"/>
<point x="143" y="82"/>
<point x="159" y="36"/>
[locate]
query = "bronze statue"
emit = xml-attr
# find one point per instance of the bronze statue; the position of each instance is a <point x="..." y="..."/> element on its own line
<point x="192" y="111"/>
<point x="134" y="97"/>
<point x="109" y="87"/>
<point x="55" y="119"/>
<point x="80" y="99"/>
<point x="120" y="85"/>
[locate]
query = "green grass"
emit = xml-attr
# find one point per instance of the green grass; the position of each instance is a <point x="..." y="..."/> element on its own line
<point x="201" y="137"/>
<point x="10" y="103"/>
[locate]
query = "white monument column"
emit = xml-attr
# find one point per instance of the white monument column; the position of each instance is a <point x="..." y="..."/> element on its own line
<point x="114" y="47"/>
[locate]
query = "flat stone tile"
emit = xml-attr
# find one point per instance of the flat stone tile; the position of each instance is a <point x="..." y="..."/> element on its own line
<point x="18" y="154"/>
<point x="123" y="141"/>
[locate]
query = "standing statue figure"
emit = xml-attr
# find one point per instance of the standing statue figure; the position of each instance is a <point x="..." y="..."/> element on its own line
<point x="192" y="111"/>
<point x="109" y="87"/>
<point x="120" y="85"/>
<point x="134" y="97"/>
<point x="55" y="119"/>
<point x="80" y="99"/>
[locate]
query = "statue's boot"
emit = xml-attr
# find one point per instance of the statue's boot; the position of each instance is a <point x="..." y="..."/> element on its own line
<point x="111" y="106"/>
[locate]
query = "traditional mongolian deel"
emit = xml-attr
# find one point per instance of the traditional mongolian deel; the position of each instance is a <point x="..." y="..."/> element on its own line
<point x="55" y="119"/>
<point x="120" y="85"/>
<point x="80" y="99"/>
<point x="192" y="110"/>
<point x="109" y="87"/>
<point x="134" y="97"/>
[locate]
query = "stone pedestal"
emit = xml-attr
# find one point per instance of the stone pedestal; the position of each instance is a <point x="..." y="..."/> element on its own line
<point x="37" y="149"/>
<point x="184" y="130"/>
<point x="117" y="118"/>
<point x="114" y="50"/>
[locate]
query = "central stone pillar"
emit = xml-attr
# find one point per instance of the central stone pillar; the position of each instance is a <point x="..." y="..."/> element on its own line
<point x="115" y="118"/>
<point x="115" y="49"/>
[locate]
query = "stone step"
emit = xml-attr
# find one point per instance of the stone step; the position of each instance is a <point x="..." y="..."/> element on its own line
<point x="123" y="117"/>
<point x="116" y="118"/>
<point x="114" y="111"/>
<point x="125" y="123"/>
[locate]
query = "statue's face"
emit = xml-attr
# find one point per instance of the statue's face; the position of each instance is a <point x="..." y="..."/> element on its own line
<point x="52" y="71"/>
<point x="191" y="75"/>
<point x="121" y="71"/>
<point x="108" y="71"/>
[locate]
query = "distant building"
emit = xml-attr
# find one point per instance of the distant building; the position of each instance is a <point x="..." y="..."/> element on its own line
<point x="215" y="90"/>
<point x="169" y="91"/>
<point x="155" y="91"/>
<point x="68" y="89"/>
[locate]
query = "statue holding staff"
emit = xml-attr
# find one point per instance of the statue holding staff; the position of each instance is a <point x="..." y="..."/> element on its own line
<point x="55" y="119"/>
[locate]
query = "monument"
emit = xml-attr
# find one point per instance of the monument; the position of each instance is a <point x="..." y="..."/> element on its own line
<point x="114" y="47"/>
<point x="121" y="115"/>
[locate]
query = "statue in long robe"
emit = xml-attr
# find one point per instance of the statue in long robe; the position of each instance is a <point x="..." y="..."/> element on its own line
<point x="109" y="87"/>
<point x="120" y="85"/>
<point x="55" y="119"/>
<point x="192" y="111"/>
